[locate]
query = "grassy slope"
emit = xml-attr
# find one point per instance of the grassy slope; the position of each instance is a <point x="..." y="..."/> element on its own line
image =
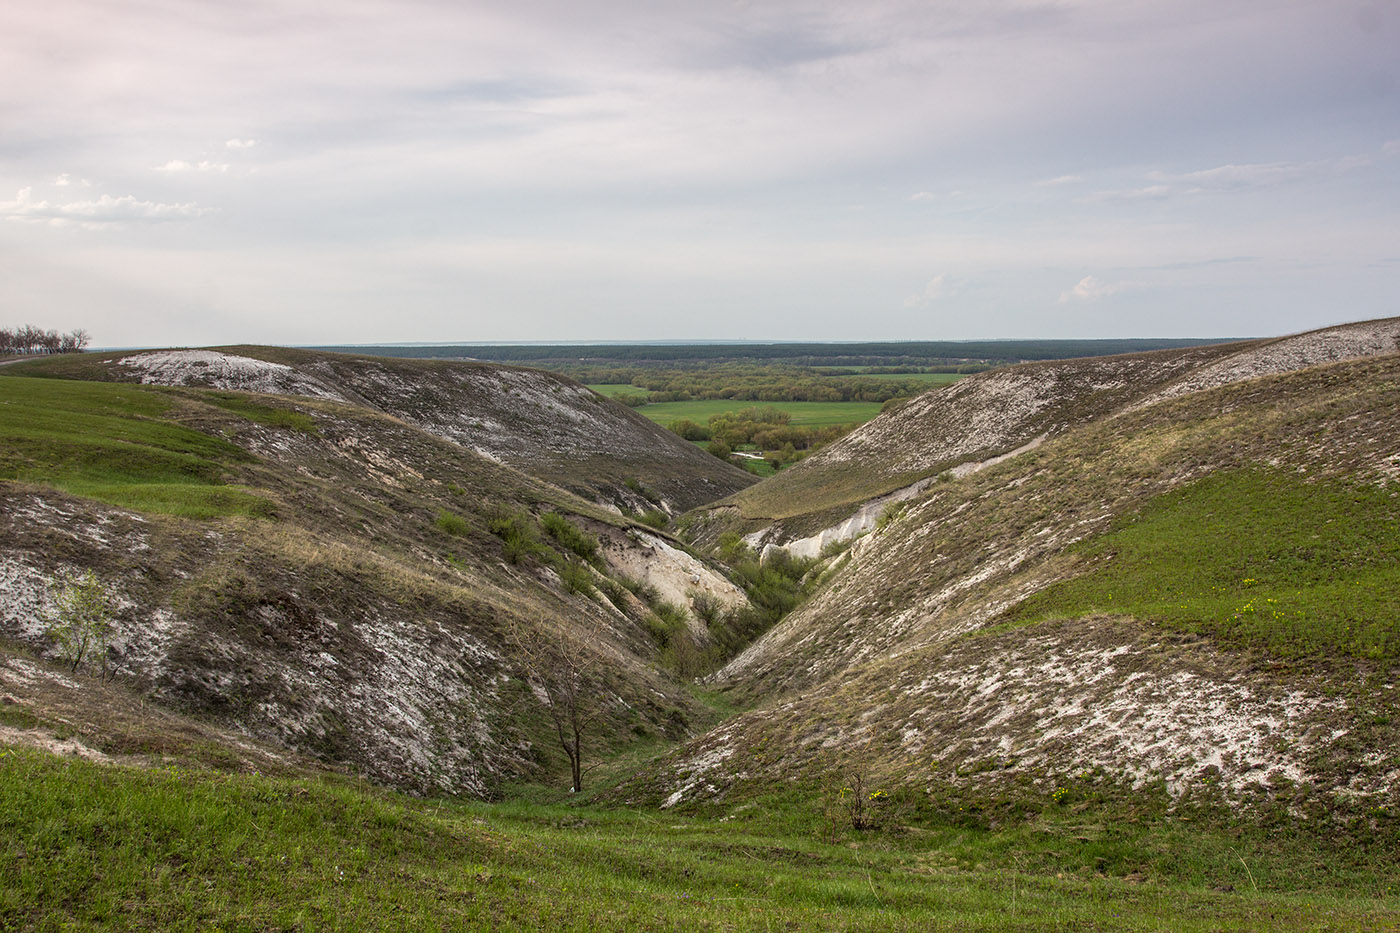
<point x="120" y="446"/>
<point x="980" y="416"/>
<point x="104" y="848"/>
<point x="1333" y="422"/>
<point x="1258" y="558"/>
<point x="1268" y="490"/>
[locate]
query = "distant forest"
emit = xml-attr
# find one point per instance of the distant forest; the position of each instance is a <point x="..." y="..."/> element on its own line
<point x="927" y="353"/>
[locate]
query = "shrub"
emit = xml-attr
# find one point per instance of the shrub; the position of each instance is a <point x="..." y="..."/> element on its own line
<point x="576" y="578"/>
<point x="520" y="538"/>
<point x="891" y="515"/>
<point x="450" y="524"/>
<point x="81" y="622"/>
<point x="655" y="518"/>
<point x="706" y="607"/>
<point x="689" y="430"/>
<point x="611" y="589"/>
<point x="685" y="657"/>
<point x="665" y="620"/>
<point x="570" y="536"/>
<point x="854" y="802"/>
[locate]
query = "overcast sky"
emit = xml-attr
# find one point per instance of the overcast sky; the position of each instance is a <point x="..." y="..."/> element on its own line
<point x="194" y="172"/>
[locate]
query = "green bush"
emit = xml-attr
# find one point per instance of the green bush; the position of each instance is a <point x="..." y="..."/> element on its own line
<point x="665" y="620"/>
<point x="518" y="534"/>
<point x="570" y="535"/>
<point x="689" y="430"/>
<point x="706" y="607"/>
<point x="576" y="578"/>
<point x="451" y="524"/>
<point x="655" y="518"/>
<point x="611" y="589"/>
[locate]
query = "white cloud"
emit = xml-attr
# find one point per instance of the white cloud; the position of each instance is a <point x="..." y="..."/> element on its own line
<point x="1061" y="180"/>
<point x="936" y="288"/>
<point x="1233" y="177"/>
<point x="1392" y="147"/>
<point x="180" y="165"/>
<point x="1226" y="177"/>
<point x="922" y="196"/>
<point x="95" y="213"/>
<point x="1091" y="289"/>
<point x="240" y="143"/>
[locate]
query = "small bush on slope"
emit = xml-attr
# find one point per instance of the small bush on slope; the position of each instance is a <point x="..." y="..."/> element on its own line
<point x="570" y="536"/>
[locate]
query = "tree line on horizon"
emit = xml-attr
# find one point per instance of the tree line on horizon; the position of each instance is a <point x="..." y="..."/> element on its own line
<point x="31" y="340"/>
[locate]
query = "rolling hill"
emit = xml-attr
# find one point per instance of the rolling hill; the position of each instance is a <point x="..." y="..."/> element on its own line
<point x="1184" y="591"/>
<point x="541" y="423"/>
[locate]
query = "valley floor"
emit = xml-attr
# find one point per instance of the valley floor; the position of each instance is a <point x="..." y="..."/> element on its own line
<point x="88" y="846"/>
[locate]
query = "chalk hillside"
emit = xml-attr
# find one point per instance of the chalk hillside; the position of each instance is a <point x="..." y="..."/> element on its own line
<point x="1181" y="584"/>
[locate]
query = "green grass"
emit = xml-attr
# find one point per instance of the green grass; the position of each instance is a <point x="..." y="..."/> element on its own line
<point x="615" y="390"/>
<point x="451" y="523"/>
<point x="813" y="414"/>
<point x="1260" y="558"/>
<point x="262" y="414"/>
<point x="116" y="444"/>
<point x="85" y="846"/>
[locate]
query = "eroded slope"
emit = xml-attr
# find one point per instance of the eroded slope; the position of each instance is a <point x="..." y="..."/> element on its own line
<point x="328" y="579"/>
<point x="974" y="421"/>
<point x="539" y="422"/>
<point x="912" y="664"/>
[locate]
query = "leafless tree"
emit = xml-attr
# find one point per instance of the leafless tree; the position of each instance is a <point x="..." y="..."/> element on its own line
<point x="565" y="668"/>
<point x="29" y="339"/>
<point x="74" y="342"/>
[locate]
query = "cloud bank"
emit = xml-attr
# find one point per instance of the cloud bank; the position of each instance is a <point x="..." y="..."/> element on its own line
<point x="419" y="170"/>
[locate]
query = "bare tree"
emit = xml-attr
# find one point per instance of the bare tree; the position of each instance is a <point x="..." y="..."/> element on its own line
<point x="73" y="342"/>
<point x="29" y="339"/>
<point x="565" y="668"/>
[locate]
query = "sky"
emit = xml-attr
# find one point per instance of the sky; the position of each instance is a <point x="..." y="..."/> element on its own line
<point x="201" y="172"/>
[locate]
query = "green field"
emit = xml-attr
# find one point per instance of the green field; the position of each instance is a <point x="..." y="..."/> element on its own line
<point x="87" y="846"/>
<point x="933" y="379"/>
<point x="615" y="390"/>
<point x="807" y="414"/>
